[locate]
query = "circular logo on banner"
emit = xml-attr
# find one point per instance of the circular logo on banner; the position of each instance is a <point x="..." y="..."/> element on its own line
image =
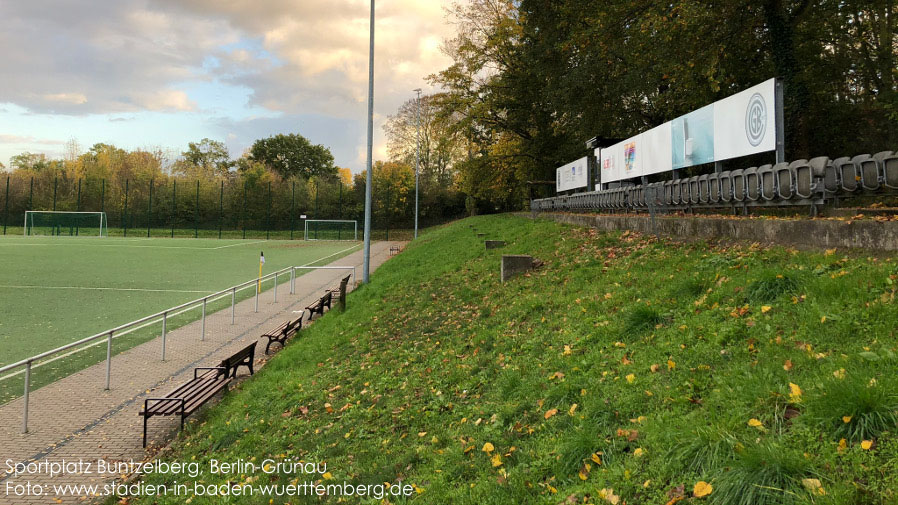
<point x="756" y="120"/>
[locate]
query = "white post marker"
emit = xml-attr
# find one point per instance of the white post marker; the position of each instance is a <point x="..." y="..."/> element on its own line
<point x="259" y="280"/>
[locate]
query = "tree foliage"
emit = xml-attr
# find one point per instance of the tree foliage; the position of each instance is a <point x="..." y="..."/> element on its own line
<point x="293" y="155"/>
<point x="531" y="80"/>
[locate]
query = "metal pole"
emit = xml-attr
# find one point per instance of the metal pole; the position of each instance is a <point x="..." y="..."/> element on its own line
<point x="268" y="216"/>
<point x="78" y="208"/>
<point x="780" y="122"/>
<point x="292" y="211"/>
<point x="125" y="212"/>
<point x="103" y="201"/>
<point x="31" y="195"/>
<point x="108" y="361"/>
<point x="196" y="212"/>
<point x="6" y="206"/>
<point x="258" y="287"/>
<point x="220" y="208"/>
<point x="55" y="184"/>
<point x="203" y="333"/>
<point x="292" y="281"/>
<point x="174" y="199"/>
<point x="275" y="287"/>
<point x="233" y="303"/>
<point x="417" y="156"/>
<point x="164" y="324"/>
<point x="316" y="208"/>
<point x="243" y="217"/>
<point x="369" y="179"/>
<point x="27" y="396"/>
<point x="150" y="209"/>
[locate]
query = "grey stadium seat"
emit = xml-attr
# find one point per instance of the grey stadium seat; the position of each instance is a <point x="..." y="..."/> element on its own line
<point x="738" y="177"/>
<point x="802" y="175"/>
<point x="675" y="192"/>
<point x="785" y="179"/>
<point x="768" y="181"/>
<point x="752" y="184"/>
<point x="890" y="171"/>
<point x="714" y="187"/>
<point x="871" y="170"/>
<point x="694" y="195"/>
<point x="668" y="193"/>
<point x="703" y="189"/>
<point x="849" y="172"/>
<point x="726" y="186"/>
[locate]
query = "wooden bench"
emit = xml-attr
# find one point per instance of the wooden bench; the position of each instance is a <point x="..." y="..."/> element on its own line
<point x="340" y="292"/>
<point x="283" y="332"/>
<point x="394" y="250"/>
<point x="243" y="357"/>
<point x="186" y="398"/>
<point x="319" y="306"/>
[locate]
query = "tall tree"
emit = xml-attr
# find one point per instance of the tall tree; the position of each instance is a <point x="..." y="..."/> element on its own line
<point x="293" y="155"/>
<point x="206" y="158"/>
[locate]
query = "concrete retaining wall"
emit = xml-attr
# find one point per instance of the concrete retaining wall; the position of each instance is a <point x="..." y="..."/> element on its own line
<point x="823" y="234"/>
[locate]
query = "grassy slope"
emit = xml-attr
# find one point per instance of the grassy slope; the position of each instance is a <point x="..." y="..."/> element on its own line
<point x="655" y="355"/>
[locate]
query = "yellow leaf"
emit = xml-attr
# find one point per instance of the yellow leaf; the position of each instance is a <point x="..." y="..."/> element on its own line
<point x="654" y="368"/>
<point x="488" y="448"/>
<point x="846" y="419"/>
<point x="596" y="459"/>
<point x="567" y="350"/>
<point x="631" y="378"/>
<point x="422" y="433"/>
<point x="572" y="409"/>
<point x="765" y="309"/>
<point x="754" y="423"/>
<point x="839" y="374"/>
<point x="638" y="452"/>
<point x="327" y="476"/>
<point x="609" y="496"/>
<point x="701" y="489"/>
<point x="671" y="364"/>
<point x="787" y="365"/>
<point x="328" y="408"/>
<point x="866" y="445"/>
<point x="550" y="413"/>
<point x="794" y="393"/>
<point x="813" y="485"/>
<point x="496" y="460"/>
<point x="843" y="444"/>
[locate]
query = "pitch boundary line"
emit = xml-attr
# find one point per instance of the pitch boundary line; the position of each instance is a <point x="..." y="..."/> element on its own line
<point x="101" y="288"/>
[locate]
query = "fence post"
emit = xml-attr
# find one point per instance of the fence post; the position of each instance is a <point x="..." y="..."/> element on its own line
<point x="203" y="333"/>
<point x="268" y="216"/>
<point x="220" y="208"/>
<point x="103" y="202"/>
<point x="108" y="360"/>
<point x="275" y="287"/>
<point x="196" y="213"/>
<point x="174" y="210"/>
<point x="233" y="303"/>
<point x="78" y="208"/>
<point x="164" y="323"/>
<point x="150" y="209"/>
<point x="6" y="207"/>
<point x="258" y="287"/>
<point x="292" y="207"/>
<point x="292" y="280"/>
<point x="125" y="212"/>
<point x="27" y="394"/>
<point x="243" y="215"/>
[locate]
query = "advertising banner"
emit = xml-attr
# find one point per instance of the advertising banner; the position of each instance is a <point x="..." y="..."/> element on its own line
<point x="572" y="176"/>
<point x="740" y="125"/>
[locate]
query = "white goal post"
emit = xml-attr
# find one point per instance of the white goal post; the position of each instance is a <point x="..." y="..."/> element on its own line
<point x="55" y="223"/>
<point x="331" y="229"/>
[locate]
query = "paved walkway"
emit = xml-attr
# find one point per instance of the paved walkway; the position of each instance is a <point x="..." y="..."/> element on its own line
<point x="75" y="418"/>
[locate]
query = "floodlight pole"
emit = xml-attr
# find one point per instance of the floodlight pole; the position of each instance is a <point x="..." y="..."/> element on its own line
<point x="369" y="179"/>
<point x="417" y="155"/>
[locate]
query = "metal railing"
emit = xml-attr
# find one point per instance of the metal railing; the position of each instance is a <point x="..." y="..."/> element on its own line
<point x="163" y="316"/>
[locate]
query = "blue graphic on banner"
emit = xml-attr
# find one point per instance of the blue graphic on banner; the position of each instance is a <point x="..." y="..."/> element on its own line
<point x="692" y="138"/>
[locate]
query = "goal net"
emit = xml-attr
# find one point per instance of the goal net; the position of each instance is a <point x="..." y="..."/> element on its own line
<point x="46" y="223"/>
<point x="331" y="229"/>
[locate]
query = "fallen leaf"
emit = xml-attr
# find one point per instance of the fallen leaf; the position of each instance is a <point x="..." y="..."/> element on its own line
<point x="701" y="489"/>
<point x="488" y="448"/>
<point x="866" y="445"/>
<point x="550" y="413"/>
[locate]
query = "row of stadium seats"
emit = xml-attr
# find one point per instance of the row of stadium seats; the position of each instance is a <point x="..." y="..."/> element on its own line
<point x="801" y="182"/>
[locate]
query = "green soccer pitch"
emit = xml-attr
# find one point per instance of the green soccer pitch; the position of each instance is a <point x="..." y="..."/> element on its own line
<point x="54" y="291"/>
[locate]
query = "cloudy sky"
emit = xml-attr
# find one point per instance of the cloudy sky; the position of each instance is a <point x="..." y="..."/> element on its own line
<point x="162" y="73"/>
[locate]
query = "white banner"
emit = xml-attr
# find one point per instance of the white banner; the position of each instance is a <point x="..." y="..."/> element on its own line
<point x="572" y="176"/>
<point x="737" y="126"/>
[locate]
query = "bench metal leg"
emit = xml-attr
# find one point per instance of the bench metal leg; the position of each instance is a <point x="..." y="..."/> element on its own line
<point x="145" y="418"/>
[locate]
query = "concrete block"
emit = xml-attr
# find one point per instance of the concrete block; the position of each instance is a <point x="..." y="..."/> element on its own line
<point x="481" y="235"/>
<point x="514" y="264"/>
<point x="494" y="244"/>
